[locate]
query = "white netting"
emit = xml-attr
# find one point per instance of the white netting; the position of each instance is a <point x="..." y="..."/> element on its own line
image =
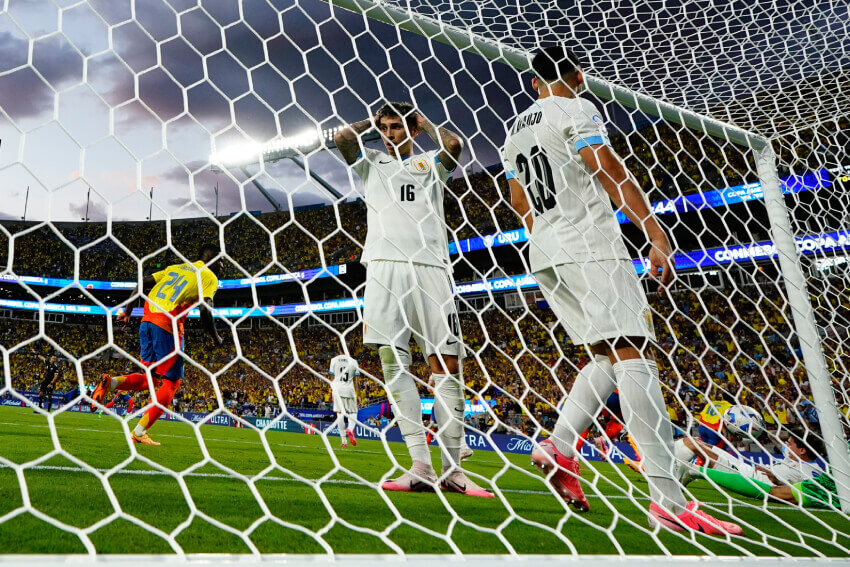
<point x="110" y="113"/>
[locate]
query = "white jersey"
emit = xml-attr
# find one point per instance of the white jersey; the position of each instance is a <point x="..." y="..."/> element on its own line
<point x="404" y="202"/>
<point x="792" y="470"/>
<point x="343" y="369"/>
<point x="573" y="215"/>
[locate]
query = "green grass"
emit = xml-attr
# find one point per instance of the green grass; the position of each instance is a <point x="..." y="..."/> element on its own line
<point x="301" y="498"/>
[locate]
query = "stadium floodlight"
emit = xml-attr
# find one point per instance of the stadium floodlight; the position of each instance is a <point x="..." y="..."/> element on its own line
<point x="285" y="147"/>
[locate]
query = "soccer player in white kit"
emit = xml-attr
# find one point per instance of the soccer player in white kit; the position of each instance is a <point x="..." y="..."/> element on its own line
<point x="343" y="368"/>
<point x="408" y="283"/>
<point x="563" y="177"/>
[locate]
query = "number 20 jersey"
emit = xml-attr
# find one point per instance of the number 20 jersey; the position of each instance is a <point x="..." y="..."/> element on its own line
<point x="404" y="203"/>
<point x="573" y="216"/>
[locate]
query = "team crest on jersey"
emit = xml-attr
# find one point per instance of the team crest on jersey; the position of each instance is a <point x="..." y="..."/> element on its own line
<point x="647" y="315"/>
<point x="421" y="165"/>
<point x="599" y="123"/>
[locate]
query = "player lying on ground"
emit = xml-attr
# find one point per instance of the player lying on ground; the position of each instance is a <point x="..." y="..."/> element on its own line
<point x="343" y="369"/>
<point x="801" y="462"/>
<point x="409" y="284"/>
<point x="171" y="293"/>
<point x="563" y="176"/>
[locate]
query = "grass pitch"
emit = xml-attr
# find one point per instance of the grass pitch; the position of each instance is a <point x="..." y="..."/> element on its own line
<point x="296" y="496"/>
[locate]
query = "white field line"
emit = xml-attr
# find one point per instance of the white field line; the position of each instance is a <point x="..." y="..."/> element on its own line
<point x="279" y="479"/>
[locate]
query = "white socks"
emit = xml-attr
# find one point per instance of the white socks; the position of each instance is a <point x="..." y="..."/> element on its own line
<point x="594" y="383"/>
<point x="648" y="423"/>
<point x="405" y="401"/>
<point x="448" y="409"/>
<point x="681" y="451"/>
<point x="340" y="422"/>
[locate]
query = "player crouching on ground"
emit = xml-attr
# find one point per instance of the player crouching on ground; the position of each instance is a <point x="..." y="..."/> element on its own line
<point x="171" y="293"/>
<point x="409" y="284"/>
<point x="564" y="176"/>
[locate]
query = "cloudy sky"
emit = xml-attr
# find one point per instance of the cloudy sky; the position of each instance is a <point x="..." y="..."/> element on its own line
<point x="121" y="97"/>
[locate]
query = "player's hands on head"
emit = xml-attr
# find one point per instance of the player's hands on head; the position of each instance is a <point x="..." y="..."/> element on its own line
<point x="661" y="260"/>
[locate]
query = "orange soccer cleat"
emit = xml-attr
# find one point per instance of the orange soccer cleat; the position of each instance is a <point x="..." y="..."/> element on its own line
<point x="143" y="439"/>
<point x="101" y="390"/>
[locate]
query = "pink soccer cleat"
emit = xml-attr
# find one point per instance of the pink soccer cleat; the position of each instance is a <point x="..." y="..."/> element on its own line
<point x="692" y="519"/>
<point x="565" y="479"/>
<point x="351" y="437"/>
<point x="458" y="482"/>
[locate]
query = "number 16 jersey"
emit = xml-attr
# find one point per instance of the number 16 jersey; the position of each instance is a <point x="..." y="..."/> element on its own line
<point x="573" y="216"/>
<point x="404" y="208"/>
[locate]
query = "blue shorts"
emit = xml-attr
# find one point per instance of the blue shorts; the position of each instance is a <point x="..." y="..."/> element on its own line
<point x="612" y="404"/>
<point x="160" y="351"/>
<point x="711" y="437"/>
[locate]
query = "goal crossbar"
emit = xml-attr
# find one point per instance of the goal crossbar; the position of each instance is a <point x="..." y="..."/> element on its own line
<point x="803" y="316"/>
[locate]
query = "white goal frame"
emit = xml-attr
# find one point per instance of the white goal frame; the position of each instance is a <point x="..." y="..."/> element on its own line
<point x="803" y="316"/>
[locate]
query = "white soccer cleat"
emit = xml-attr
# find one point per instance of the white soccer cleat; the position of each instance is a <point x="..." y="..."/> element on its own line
<point x="420" y="478"/>
<point x="344" y="445"/>
<point x="465" y="453"/>
<point x="458" y="482"/>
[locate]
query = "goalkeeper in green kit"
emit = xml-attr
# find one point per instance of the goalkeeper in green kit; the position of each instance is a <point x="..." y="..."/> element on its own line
<point x="816" y="490"/>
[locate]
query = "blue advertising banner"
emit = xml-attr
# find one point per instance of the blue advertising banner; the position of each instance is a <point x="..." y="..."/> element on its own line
<point x="303" y="275"/>
<point x="687" y="203"/>
<point x="710" y="257"/>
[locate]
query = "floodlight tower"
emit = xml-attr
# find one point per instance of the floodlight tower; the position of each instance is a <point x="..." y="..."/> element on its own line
<point x="287" y="147"/>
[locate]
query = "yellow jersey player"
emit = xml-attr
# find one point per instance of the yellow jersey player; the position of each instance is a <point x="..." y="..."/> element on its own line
<point x="711" y="423"/>
<point x="173" y="293"/>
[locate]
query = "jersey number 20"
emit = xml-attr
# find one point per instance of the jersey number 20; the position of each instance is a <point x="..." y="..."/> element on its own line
<point x="541" y="186"/>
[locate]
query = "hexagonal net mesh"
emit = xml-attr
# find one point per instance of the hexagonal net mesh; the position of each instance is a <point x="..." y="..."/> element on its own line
<point x="135" y="134"/>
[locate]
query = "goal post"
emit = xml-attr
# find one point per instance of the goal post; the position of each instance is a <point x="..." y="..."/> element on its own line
<point x="798" y="294"/>
<point x="250" y="459"/>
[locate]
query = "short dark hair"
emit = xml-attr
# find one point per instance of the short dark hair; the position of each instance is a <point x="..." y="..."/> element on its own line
<point x="553" y="62"/>
<point x="808" y="436"/>
<point x="208" y="250"/>
<point x="403" y="110"/>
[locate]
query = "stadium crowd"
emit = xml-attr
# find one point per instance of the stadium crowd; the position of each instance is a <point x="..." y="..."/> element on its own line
<point x="477" y="205"/>
<point x="732" y="343"/>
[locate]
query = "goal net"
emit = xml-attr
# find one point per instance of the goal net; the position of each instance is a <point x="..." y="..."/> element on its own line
<point x="134" y="134"/>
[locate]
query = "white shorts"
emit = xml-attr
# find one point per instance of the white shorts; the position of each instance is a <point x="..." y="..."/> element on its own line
<point x="404" y="299"/>
<point x="345" y="404"/>
<point x="597" y="301"/>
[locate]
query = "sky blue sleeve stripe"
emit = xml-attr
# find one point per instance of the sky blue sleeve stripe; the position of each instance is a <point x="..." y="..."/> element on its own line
<point x="510" y="174"/>
<point x="591" y="141"/>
